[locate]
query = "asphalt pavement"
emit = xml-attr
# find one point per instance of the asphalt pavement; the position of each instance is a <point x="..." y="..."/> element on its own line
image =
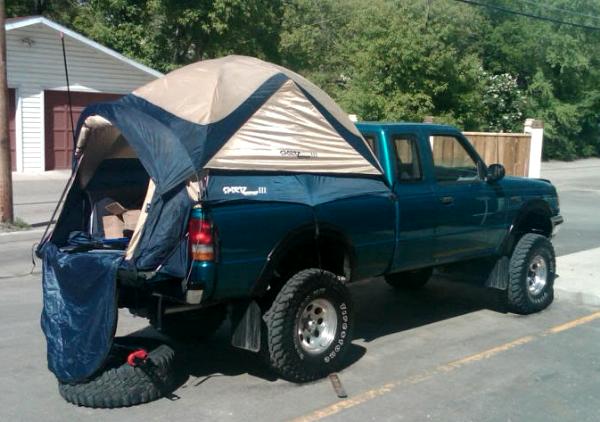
<point x="578" y="185"/>
<point x="35" y="195"/>
<point x="448" y="352"/>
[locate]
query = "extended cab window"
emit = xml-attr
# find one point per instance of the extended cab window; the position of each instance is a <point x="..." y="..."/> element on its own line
<point x="371" y="141"/>
<point x="407" y="158"/>
<point x="451" y="160"/>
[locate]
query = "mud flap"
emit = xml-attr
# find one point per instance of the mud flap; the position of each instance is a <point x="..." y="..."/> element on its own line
<point x="498" y="277"/>
<point x="245" y="326"/>
<point x="79" y="317"/>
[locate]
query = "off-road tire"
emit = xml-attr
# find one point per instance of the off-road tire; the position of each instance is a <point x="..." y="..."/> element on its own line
<point x="197" y="325"/>
<point x="119" y="384"/>
<point x="520" y="299"/>
<point x="409" y="280"/>
<point x="284" y="353"/>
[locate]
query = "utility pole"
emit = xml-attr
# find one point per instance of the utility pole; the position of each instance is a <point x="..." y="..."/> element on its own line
<point x="6" y="196"/>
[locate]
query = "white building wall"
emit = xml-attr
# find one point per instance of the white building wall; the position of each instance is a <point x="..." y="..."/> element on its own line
<point x="35" y="64"/>
<point x="32" y="128"/>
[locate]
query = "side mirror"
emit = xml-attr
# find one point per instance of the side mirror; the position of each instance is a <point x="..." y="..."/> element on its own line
<point x="495" y="172"/>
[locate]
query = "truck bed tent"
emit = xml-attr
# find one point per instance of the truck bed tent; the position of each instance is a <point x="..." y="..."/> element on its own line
<point x="240" y="128"/>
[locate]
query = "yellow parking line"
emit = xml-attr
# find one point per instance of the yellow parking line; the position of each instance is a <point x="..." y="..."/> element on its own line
<point x="445" y="368"/>
<point x="486" y="354"/>
<point x="574" y="323"/>
<point x="348" y="403"/>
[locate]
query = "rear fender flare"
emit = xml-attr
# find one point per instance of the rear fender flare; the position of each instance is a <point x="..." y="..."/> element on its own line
<point x="294" y="239"/>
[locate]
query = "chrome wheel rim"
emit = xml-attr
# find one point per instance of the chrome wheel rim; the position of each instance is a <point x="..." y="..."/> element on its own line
<point x="537" y="275"/>
<point x="316" y="326"/>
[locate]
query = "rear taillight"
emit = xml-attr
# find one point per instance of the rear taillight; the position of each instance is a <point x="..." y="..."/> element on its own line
<point x="201" y="237"/>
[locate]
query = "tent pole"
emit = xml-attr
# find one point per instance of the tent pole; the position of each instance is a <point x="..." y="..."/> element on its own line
<point x="46" y="236"/>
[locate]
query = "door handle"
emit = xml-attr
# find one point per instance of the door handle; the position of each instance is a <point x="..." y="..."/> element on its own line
<point x="447" y="200"/>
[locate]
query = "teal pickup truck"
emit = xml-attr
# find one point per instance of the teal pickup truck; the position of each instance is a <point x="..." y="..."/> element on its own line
<point x="235" y="188"/>
<point x="281" y="269"/>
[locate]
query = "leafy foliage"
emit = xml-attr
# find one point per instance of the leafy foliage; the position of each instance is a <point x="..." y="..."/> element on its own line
<point x="475" y="67"/>
<point x="503" y="102"/>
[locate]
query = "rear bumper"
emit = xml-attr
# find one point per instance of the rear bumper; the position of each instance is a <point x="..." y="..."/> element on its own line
<point x="557" y="220"/>
<point x="200" y="281"/>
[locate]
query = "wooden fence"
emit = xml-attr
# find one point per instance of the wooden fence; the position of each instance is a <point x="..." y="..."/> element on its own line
<point x="512" y="150"/>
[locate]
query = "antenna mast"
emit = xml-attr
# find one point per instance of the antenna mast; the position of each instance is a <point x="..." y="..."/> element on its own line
<point x="64" y="51"/>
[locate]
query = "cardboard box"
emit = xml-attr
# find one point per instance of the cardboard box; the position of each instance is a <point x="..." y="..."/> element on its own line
<point x="130" y="219"/>
<point x="120" y="222"/>
<point x="113" y="226"/>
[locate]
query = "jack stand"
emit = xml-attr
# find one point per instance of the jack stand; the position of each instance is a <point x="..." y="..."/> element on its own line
<point x="339" y="389"/>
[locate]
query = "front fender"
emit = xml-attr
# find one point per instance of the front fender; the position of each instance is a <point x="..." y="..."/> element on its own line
<point x="533" y="216"/>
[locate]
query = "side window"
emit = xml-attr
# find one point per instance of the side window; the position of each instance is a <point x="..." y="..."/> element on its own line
<point x="452" y="162"/>
<point x="371" y="141"/>
<point x="407" y="158"/>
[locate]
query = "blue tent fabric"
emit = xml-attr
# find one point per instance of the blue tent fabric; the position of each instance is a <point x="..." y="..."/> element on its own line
<point x="72" y="216"/>
<point x="80" y="310"/>
<point x="158" y="148"/>
<point x="159" y="239"/>
<point x="308" y="189"/>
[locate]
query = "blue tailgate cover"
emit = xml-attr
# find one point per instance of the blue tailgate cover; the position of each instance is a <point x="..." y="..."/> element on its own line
<point x="80" y="310"/>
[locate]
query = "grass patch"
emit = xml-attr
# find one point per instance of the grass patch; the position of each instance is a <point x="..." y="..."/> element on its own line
<point x="17" y="225"/>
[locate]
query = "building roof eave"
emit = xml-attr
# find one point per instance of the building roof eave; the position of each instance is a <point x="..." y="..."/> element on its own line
<point x="12" y="24"/>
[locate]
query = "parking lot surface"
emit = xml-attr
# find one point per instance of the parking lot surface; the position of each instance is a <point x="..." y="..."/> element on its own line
<point x="448" y="352"/>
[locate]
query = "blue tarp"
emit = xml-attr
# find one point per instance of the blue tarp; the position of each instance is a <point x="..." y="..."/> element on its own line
<point x="80" y="310"/>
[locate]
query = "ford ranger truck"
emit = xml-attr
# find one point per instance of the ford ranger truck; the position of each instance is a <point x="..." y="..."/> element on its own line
<point x="280" y="271"/>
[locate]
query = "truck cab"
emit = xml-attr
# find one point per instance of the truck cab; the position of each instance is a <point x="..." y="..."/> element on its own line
<point x="449" y="206"/>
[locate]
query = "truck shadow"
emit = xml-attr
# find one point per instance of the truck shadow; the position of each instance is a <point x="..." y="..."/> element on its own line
<point x="380" y="311"/>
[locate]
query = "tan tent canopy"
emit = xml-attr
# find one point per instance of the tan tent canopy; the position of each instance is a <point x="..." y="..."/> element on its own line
<point x="287" y="133"/>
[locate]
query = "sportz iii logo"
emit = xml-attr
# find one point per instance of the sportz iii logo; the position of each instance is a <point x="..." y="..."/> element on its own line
<point x="292" y="153"/>
<point x="244" y="190"/>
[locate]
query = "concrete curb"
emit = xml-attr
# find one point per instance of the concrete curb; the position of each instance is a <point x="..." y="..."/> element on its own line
<point x="578" y="298"/>
<point x="578" y="277"/>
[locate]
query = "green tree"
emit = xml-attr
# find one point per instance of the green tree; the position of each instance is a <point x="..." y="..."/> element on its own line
<point x="557" y="68"/>
<point x="387" y="60"/>
<point x="476" y="67"/>
<point x="166" y="34"/>
<point x="61" y="10"/>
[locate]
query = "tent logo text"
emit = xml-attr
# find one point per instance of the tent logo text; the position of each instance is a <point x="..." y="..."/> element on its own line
<point x="292" y="153"/>
<point x="244" y="190"/>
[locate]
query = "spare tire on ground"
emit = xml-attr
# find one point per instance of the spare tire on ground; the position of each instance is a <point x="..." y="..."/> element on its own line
<point x="138" y="370"/>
